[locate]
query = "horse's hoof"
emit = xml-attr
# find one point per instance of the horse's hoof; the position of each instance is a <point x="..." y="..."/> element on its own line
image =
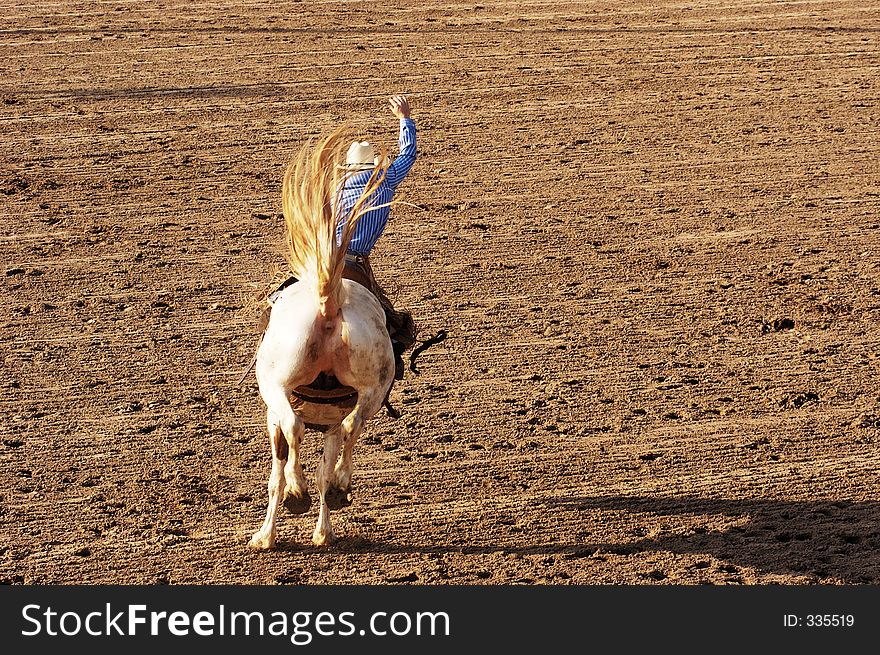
<point x="337" y="498"/>
<point x="261" y="542"/>
<point x="324" y="539"/>
<point x="297" y="504"/>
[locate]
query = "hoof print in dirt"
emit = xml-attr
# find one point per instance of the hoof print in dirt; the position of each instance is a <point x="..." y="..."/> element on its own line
<point x="798" y="400"/>
<point x="777" y="325"/>
<point x="867" y="421"/>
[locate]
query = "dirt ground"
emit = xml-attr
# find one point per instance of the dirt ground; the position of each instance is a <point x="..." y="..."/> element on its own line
<point x="650" y="229"/>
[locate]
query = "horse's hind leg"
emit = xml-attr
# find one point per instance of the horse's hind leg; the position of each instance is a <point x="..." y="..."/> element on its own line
<point x="264" y="538"/>
<point x="339" y="494"/>
<point x="296" y="492"/>
<point x="286" y="481"/>
<point x="333" y="494"/>
<point x="323" y="534"/>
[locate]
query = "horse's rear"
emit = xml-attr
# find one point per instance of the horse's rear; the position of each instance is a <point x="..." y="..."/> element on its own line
<point x="319" y="325"/>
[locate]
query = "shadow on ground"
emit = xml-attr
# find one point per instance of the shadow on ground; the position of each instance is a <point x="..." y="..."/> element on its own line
<point x="839" y="540"/>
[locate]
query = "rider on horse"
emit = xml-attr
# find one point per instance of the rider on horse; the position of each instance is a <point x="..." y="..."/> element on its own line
<point x="361" y="161"/>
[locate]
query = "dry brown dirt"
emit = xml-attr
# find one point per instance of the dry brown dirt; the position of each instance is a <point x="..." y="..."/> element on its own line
<point x="650" y="229"/>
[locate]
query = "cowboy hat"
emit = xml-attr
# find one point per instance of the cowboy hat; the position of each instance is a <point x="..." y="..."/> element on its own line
<point x="361" y="156"/>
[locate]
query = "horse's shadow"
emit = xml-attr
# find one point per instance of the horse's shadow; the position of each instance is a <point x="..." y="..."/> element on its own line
<point x="818" y="539"/>
<point x="822" y="540"/>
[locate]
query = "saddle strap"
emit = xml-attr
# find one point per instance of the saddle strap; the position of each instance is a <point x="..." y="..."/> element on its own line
<point x="427" y="343"/>
<point x="322" y="400"/>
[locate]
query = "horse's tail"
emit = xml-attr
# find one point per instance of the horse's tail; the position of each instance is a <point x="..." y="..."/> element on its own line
<point x="311" y="199"/>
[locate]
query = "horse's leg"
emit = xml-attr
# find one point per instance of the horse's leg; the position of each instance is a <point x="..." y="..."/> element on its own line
<point x="264" y="538"/>
<point x="339" y="494"/>
<point x="286" y="481"/>
<point x="323" y="534"/>
<point x="296" y="494"/>
<point x="333" y="496"/>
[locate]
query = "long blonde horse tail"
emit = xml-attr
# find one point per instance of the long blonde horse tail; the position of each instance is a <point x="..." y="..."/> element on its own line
<point x="311" y="197"/>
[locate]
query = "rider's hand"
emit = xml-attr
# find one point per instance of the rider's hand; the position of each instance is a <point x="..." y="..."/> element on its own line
<point x="399" y="106"/>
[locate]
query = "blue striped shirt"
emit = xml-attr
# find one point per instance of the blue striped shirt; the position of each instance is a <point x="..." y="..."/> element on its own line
<point x="372" y="224"/>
